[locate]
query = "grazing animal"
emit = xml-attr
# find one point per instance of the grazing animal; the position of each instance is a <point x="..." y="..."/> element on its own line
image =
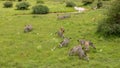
<point x="65" y="42"/>
<point x="67" y="15"/>
<point x="79" y="9"/>
<point x="77" y="50"/>
<point x="60" y="17"/>
<point x="28" y="28"/>
<point x="86" y="44"/>
<point x="61" y="32"/>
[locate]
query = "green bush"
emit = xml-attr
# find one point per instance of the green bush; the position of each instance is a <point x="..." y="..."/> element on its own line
<point x="40" y="9"/>
<point x="40" y="2"/>
<point x="99" y="4"/>
<point x="10" y="0"/>
<point x="105" y="0"/>
<point x="22" y="5"/>
<point x="70" y="4"/>
<point x="86" y="2"/>
<point x="19" y="0"/>
<point x="111" y="25"/>
<point x="8" y="4"/>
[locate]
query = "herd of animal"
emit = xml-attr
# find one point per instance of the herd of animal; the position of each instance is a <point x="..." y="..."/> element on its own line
<point x="80" y="50"/>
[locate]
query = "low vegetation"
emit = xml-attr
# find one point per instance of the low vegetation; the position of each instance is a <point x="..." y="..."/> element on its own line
<point x="22" y="5"/>
<point x="40" y="2"/>
<point x="8" y="4"/>
<point x="40" y="9"/>
<point x="86" y="2"/>
<point x="70" y="4"/>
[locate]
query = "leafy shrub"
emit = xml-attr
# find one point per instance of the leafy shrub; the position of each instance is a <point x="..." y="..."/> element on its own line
<point x="19" y="0"/>
<point x="70" y="4"/>
<point x="86" y="2"/>
<point x="111" y="25"/>
<point x="8" y="4"/>
<point x="10" y="0"/>
<point x="22" y="5"/>
<point x="40" y="9"/>
<point x="105" y="0"/>
<point x="39" y="2"/>
<point x="99" y="4"/>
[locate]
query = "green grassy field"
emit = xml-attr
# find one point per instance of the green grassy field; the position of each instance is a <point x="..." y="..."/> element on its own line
<point x="34" y="49"/>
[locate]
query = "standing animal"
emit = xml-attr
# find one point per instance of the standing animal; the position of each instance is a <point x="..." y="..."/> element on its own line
<point x="28" y="28"/>
<point x="86" y="44"/>
<point x="77" y="50"/>
<point x="65" y="42"/>
<point x="61" y="32"/>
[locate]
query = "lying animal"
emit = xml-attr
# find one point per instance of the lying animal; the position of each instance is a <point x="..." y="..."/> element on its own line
<point x="60" y="17"/>
<point x="86" y="44"/>
<point x="65" y="42"/>
<point x="77" y="50"/>
<point x="60" y="33"/>
<point x="28" y="28"/>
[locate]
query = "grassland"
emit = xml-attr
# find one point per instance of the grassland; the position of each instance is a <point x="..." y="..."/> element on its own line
<point x="33" y="50"/>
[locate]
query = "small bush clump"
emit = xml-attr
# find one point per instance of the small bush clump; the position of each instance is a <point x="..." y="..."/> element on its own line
<point x="99" y="4"/>
<point x="9" y="0"/>
<point x="40" y="2"/>
<point x="86" y="2"/>
<point x="8" y="4"/>
<point x="19" y="0"/>
<point x="22" y="5"/>
<point x="105" y="0"/>
<point x="40" y="9"/>
<point x="70" y="4"/>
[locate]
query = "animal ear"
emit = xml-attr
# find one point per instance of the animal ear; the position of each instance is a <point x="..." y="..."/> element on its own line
<point x="61" y="27"/>
<point x="29" y="25"/>
<point x="78" y="40"/>
<point x="90" y="42"/>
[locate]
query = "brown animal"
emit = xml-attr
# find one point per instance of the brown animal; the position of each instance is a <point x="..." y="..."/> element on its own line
<point x="65" y="42"/>
<point x="28" y="28"/>
<point x="86" y="44"/>
<point x="77" y="50"/>
<point x="61" y="32"/>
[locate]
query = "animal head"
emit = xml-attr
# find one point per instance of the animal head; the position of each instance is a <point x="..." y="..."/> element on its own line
<point x="92" y="45"/>
<point x="62" y="29"/>
<point x="81" y="41"/>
